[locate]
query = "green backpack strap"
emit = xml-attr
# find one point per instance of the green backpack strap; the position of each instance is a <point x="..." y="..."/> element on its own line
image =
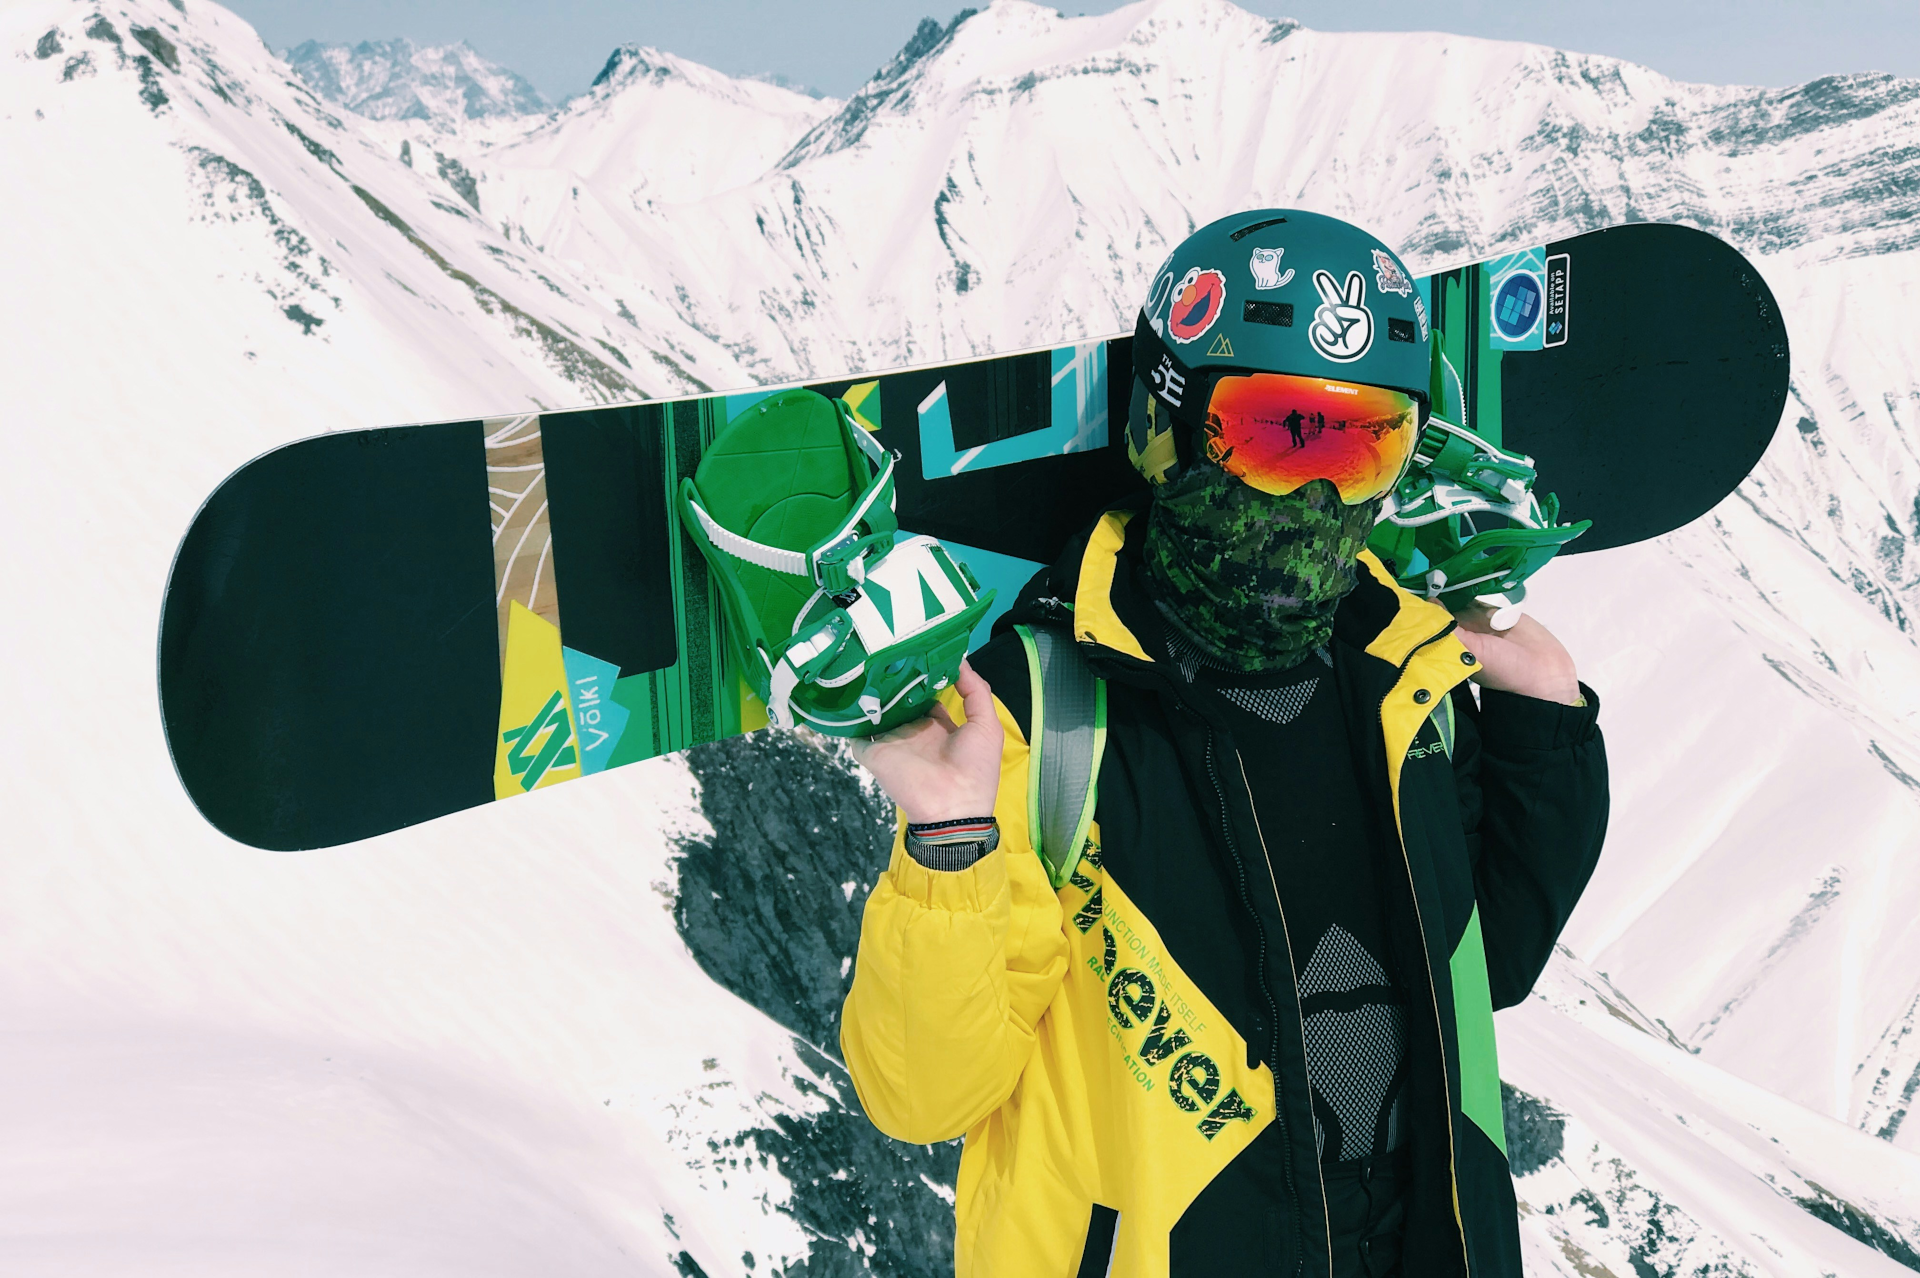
<point x="1066" y="739"/>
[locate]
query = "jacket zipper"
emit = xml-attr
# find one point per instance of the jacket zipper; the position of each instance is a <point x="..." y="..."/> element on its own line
<point x="1273" y="1007"/>
<point x="1300" y="1015"/>
<point x="1426" y="954"/>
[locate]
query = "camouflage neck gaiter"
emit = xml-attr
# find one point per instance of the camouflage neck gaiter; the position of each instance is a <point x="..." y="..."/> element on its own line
<point x="1253" y="578"/>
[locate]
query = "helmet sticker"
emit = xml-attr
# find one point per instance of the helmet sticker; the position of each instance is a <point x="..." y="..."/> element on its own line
<point x="1342" y="328"/>
<point x="1420" y="313"/>
<point x="1157" y="298"/>
<point x="1266" y="268"/>
<point x="1388" y="276"/>
<point x="1198" y="301"/>
<point x="1168" y="382"/>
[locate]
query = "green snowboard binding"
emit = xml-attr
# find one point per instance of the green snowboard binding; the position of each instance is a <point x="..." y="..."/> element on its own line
<point x="1426" y="536"/>
<point x="838" y="620"/>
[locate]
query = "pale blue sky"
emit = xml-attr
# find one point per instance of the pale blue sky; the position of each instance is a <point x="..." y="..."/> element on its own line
<point x="834" y="45"/>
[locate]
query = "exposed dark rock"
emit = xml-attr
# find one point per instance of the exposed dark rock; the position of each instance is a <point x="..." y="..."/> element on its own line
<point x="1536" y="1132"/>
<point x="150" y="91"/>
<point x="455" y="175"/>
<point x="48" y="46"/>
<point x="1596" y="1210"/>
<point x="1859" y="1225"/>
<point x="158" y="45"/>
<point x="770" y="907"/>
<point x="888" y="87"/>
<point x="572" y="361"/>
<point x="765" y="905"/>
<point x="299" y="315"/>
<point x="317" y="151"/>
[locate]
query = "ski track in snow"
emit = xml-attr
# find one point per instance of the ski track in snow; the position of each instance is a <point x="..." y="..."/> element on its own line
<point x="480" y="1044"/>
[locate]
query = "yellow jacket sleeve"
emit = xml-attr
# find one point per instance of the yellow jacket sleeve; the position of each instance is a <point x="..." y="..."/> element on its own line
<point x="954" y="971"/>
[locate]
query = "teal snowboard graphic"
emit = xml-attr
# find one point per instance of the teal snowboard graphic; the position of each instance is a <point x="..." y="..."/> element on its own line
<point x="370" y="629"/>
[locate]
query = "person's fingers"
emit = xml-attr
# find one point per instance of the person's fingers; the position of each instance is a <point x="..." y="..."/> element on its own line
<point x="976" y="696"/>
<point x="969" y="679"/>
<point x="1476" y="617"/>
<point x="939" y="713"/>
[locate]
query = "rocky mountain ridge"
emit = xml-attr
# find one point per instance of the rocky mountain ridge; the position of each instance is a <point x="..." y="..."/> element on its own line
<point x="444" y="84"/>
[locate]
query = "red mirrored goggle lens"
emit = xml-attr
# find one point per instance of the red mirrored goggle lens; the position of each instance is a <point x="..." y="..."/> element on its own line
<point x="1277" y="432"/>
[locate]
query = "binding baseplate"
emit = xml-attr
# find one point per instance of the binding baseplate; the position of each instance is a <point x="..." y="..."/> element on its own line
<point x="837" y="619"/>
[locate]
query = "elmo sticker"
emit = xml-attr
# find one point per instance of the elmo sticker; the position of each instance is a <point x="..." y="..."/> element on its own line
<point x="1198" y="301"/>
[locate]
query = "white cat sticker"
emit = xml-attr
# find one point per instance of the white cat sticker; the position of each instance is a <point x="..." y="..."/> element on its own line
<point x="1266" y="268"/>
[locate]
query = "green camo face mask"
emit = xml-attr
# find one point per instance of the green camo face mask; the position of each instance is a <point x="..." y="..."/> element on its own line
<point x="1253" y="578"/>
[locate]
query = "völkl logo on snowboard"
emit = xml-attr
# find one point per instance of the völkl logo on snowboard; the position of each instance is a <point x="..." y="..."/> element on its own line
<point x="546" y="742"/>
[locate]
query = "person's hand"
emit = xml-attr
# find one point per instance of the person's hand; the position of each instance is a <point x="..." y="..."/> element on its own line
<point x="1526" y="659"/>
<point x="936" y="769"/>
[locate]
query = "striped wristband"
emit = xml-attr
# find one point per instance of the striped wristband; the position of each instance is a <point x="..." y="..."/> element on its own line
<point x="952" y="845"/>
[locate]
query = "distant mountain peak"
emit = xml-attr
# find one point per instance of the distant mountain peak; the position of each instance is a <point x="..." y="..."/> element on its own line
<point x="400" y="80"/>
<point x="632" y="63"/>
<point x="629" y="61"/>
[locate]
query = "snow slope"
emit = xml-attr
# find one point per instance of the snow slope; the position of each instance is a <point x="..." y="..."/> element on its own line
<point x="484" y="1044"/>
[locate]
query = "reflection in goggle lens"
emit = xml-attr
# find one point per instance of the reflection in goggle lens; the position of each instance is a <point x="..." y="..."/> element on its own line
<point x="1276" y="431"/>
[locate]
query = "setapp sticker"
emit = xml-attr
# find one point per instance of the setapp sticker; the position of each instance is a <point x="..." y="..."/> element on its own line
<point x="1516" y="300"/>
<point x="1516" y="306"/>
<point x="1266" y="269"/>
<point x="1559" y="286"/>
<point x="1342" y="328"/>
<point x="1198" y="301"/>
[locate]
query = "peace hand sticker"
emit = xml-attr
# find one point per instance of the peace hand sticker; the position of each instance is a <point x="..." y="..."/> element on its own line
<point x="1342" y="327"/>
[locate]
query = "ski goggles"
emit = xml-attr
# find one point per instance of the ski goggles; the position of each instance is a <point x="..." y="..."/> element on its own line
<point x="1278" y="431"/>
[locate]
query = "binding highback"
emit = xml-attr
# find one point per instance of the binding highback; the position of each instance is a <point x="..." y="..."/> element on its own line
<point x="1066" y="738"/>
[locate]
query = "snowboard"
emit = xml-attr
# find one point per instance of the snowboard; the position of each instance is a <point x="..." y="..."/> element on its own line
<point x="373" y="628"/>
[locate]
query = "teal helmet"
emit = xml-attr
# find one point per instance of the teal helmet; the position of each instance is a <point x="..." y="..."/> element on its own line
<point x="1268" y="291"/>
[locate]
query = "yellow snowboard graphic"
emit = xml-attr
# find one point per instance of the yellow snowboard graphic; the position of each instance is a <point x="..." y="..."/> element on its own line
<point x="536" y="745"/>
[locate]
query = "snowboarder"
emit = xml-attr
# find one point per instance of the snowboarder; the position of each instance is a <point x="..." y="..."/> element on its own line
<point x="1253" y="1032"/>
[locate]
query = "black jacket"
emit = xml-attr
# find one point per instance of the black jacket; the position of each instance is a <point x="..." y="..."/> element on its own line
<point x="1502" y="809"/>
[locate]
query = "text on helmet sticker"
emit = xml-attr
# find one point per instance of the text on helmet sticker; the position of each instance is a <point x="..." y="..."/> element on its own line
<point x="1388" y="276"/>
<point x="1168" y="382"/>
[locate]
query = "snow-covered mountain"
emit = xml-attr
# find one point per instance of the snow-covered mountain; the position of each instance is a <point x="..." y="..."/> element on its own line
<point x="400" y="80"/>
<point x="498" y="1036"/>
<point x="654" y="130"/>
